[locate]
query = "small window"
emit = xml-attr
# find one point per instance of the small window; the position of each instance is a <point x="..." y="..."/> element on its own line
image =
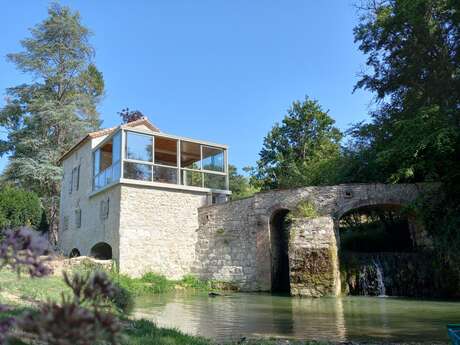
<point x="78" y="218"/>
<point x="75" y="178"/>
<point x="139" y="147"/>
<point x="71" y="182"/>
<point x="65" y="225"/>
<point x="104" y="208"/>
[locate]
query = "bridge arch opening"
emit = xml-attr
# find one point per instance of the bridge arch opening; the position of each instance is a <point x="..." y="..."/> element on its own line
<point x="381" y="252"/>
<point x="279" y="249"/>
<point x="376" y="228"/>
<point x="101" y="251"/>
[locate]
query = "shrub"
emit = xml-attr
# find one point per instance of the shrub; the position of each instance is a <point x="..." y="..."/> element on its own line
<point x="19" y="208"/>
<point x="304" y="209"/>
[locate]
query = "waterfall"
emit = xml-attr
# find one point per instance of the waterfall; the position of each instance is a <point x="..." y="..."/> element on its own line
<point x="379" y="274"/>
<point x="371" y="279"/>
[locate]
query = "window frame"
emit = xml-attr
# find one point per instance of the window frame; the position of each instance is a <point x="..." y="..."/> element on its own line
<point x="97" y="148"/>
<point x="179" y="180"/>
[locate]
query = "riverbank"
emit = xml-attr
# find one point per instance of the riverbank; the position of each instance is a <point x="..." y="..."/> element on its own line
<point x="26" y="293"/>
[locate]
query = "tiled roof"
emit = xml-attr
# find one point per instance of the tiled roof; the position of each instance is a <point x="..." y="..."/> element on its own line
<point x="92" y="135"/>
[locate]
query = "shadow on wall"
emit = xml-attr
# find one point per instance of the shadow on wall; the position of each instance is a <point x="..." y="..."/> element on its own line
<point x="279" y="247"/>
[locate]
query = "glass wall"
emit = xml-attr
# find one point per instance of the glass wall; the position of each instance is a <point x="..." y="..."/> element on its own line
<point x="162" y="159"/>
<point x="106" y="162"/>
<point x="138" y="147"/>
<point x="213" y="159"/>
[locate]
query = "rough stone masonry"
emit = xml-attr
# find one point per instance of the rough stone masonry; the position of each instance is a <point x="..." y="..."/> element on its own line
<point x="233" y="239"/>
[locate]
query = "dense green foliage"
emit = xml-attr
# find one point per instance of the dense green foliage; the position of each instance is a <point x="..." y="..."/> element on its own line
<point x="300" y="151"/>
<point x="19" y="207"/>
<point x="239" y="184"/>
<point x="375" y="229"/>
<point x="45" y="117"/>
<point x="413" y="49"/>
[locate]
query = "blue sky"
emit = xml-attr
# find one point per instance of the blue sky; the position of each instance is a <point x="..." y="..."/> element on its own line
<point x="217" y="70"/>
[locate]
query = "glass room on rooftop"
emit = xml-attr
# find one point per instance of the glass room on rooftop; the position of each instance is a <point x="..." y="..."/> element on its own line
<point x="159" y="159"/>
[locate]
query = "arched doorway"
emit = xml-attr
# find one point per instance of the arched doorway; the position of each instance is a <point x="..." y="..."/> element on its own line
<point x="279" y="247"/>
<point x="74" y="253"/>
<point x="102" y="251"/>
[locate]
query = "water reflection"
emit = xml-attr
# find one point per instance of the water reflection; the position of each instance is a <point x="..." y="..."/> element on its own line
<point x="338" y="319"/>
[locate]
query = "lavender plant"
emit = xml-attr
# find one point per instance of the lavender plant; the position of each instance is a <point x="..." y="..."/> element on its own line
<point x="21" y="249"/>
<point x="84" y="318"/>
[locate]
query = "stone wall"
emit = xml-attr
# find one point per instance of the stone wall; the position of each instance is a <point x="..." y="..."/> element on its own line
<point x="313" y="258"/>
<point x="226" y="246"/>
<point x="94" y="228"/>
<point x="158" y="230"/>
<point x="234" y="238"/>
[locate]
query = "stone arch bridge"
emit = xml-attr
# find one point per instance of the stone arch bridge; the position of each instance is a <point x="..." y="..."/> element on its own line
<point x="235" y="241"/>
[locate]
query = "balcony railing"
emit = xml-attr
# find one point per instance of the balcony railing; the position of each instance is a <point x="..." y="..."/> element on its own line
<point x="107" y="176"/>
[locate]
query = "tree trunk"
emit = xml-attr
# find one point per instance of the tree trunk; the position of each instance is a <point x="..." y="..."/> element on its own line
<point x="53" y="220"/>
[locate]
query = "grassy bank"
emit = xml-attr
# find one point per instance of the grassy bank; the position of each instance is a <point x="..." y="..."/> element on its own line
<point x="152" y="283"/>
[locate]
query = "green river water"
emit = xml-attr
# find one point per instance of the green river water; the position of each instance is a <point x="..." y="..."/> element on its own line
<point x="236" y="315"/>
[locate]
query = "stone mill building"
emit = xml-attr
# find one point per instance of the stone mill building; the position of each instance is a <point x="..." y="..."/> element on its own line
<point x="132" y="194"/>
<point x="156" y="202"/>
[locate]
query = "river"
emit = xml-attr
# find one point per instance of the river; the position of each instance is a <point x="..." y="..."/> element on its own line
<point x="236" y="315"/>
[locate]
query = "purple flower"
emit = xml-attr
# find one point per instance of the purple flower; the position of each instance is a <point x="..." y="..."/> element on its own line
<point x="24" y="248"/>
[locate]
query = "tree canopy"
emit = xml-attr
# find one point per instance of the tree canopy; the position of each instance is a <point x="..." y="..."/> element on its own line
<point x="413" y="50"/>
<point x="301" y="150"/>
<point x="239" y="184"/>
<point x="45" y="117"/>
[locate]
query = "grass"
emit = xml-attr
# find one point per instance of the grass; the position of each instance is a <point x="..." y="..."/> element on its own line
<point x="304" y="209"/>
<point x="25" y="291"/>
<point x="153" y="283"/>
<point x="143" y="332"/>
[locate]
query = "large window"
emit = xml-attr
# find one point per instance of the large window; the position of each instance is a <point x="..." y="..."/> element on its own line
<point x="213" y="159"/>
<point x="190" y="155"/>
<point x="203" y="166"/>
<point x="106" y="162"/>
<point x="138" y="147"/>
<point x="137" y="171"/>
<point x="165" y="151"/>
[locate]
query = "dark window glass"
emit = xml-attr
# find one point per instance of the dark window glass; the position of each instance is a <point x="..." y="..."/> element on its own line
<point x="137" y="171"/>
<point x="213" y="159"/>
<point x="191" y="178"/>
<point x="164" y="175"/>
<point x="214" y="181"/>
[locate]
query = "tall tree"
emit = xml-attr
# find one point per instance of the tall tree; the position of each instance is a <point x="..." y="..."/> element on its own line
<point x="302" y="150"/>
<point x="46" y="117"/>
<point x="413" y="49"/>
